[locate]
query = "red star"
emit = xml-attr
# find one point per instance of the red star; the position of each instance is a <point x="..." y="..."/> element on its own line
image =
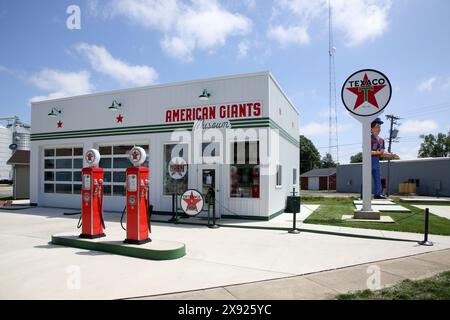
<point x="59" y="124"/>
<point x="135" y="155"/>
<point x="192" y="202"/>
<point x="89" y="156"/>
<point x="119" y="118"/>
<point x="366" y="93"/>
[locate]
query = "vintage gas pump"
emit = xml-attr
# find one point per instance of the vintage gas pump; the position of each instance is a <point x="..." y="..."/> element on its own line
<point x="137" y="207"/>
<point x="92" y="197"/>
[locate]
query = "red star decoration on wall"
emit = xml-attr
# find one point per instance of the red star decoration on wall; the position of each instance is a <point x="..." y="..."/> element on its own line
<point x="59" y="124"/>
<point x="366" y="93"/>
<point x="119" y="118"/>
<point x="192" y="202"/>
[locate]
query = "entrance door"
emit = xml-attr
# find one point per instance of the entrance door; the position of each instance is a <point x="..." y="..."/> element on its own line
<point x="208" y="180"/>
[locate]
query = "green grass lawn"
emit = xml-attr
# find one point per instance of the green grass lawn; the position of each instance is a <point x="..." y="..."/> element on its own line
<point x="435" y="288"/>
<point x="332" y="209"/>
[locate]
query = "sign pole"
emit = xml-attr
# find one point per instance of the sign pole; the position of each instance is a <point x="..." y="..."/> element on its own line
<point x="365" y="94"/>
<point x="366" y="167"/>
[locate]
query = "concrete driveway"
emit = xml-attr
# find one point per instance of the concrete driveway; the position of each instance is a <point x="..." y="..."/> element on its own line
<point x="30" y="268"/>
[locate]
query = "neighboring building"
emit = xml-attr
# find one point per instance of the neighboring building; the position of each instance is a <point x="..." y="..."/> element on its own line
<point x="319" y="179"/>
<point x="431" y="175"/>
<point x="112" y="122"/>
<point x="20" y="161"/>
<point x="13" y="136"/>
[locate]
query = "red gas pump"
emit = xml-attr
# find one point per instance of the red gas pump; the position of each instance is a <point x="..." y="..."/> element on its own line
<point x="137" y="206"/>
<point x="92" y="197"/>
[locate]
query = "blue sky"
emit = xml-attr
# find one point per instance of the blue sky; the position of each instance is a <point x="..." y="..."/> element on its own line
<point x="127" y="43"/>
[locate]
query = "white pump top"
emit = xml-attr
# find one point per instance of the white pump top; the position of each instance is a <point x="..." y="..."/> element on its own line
<point x="137" y="156"/>
<point x="92" y="157"/>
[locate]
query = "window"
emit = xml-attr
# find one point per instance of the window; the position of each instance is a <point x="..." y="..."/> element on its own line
<point x="244" y="170"/>
<point x="170" y="185"/>
<point x="114" y="161"/>
<point x="279" y="175"/>
<point x="294" y="176"/>
<point x="62" y="170"/>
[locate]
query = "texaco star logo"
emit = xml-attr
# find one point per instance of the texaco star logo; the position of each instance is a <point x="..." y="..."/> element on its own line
<point x="192" y="202"/>
<point x="177" y="168"/>
<point x="89" y="156"/>
<point x="136" y="155"/>
<point x="366" y="92"/>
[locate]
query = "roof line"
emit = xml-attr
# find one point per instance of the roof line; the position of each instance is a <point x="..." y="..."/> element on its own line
<point x="155" y="86"/>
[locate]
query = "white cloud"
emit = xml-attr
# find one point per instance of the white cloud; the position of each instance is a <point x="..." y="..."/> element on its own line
<point x="418" y="126"/>
<point x="289" y="35"/>
<point x="408" y="152"/>
<point x="426" y="85"/>
<point x="158" y="14"/>
<point x="102" y="61"/>
<point x="201" y="24"/>
<point x="361" y="20"/>
<point x="60" y="84"/>
<point x="358" y="20"/>
<point x="314" y="128"/>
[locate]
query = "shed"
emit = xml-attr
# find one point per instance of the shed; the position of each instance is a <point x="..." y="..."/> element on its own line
<point x="319" y="179"/>
<point x="20" y="161"/>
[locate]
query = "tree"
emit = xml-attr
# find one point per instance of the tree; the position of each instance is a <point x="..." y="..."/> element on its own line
<point x="327" y="161"/>
<point x="309" y="156"/>
<point x="435" y="145"/>
<point x="357" y="158"/>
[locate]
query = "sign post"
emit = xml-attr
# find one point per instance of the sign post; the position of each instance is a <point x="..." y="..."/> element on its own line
<point x="365" y="94"/>
<point x="177" y="170"/>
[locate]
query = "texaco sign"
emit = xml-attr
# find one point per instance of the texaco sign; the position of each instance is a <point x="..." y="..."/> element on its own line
<point x="192" y="202"/>
<point x="177" y="168"/>
<point x="366" y="92"/>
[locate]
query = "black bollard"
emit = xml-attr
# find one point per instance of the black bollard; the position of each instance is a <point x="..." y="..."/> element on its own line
<point x="174" y="218"/>
<point x="213" y="202"/>
<point x="425" y="241"/>
<point x="294" y="229"/>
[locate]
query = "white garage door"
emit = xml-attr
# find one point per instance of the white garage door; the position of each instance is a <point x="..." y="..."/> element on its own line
<point x="313" y="183"/>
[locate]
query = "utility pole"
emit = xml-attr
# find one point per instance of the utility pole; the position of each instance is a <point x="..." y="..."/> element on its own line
<point x="393" y="119"/>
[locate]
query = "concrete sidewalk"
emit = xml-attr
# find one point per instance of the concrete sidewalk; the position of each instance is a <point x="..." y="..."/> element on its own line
<point x="327" y="284"/>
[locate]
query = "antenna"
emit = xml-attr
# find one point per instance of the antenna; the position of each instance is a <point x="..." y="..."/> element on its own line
<point x="333" y="139"/>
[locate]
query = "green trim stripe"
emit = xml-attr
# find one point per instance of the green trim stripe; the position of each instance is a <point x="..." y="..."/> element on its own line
<point x="123" y="250"/>
<point x="159" y="128"/>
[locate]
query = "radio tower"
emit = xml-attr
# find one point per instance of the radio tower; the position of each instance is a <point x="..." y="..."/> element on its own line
<point x="333" y="140"/>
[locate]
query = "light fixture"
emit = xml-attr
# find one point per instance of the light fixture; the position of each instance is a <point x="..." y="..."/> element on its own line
<point x="205" y="95"/>
<point x="115" y="105"/>
<point x="54" y="112"/>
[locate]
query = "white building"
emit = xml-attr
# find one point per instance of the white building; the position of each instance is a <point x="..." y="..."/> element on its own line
<point x="247" y="108"/>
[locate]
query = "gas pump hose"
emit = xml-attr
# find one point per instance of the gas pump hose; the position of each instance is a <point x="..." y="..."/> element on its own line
<point x="121" y="218"/>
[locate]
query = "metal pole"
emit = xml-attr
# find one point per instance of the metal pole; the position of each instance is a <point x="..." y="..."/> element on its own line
<point x="294" y="229"/>
<point x="391" y="118"/>
<point x="214" y="225"/>
<point x="366" y="167"/>
<point x="425" y="241"/>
